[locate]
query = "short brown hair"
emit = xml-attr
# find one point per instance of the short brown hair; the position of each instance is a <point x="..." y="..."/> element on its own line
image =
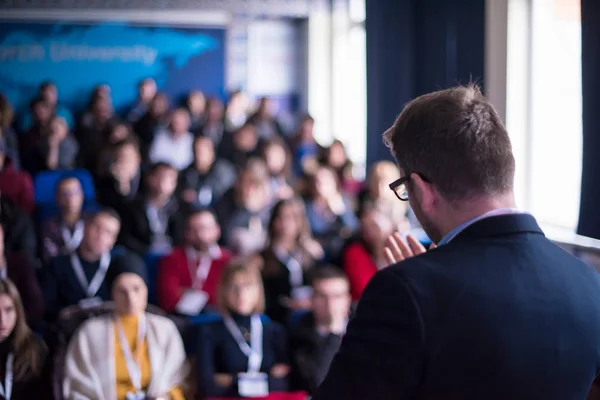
<point x="248" y="266"/>
<point x="455" y="139"/>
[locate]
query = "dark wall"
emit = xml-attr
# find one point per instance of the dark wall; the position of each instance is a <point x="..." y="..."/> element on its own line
<point x="415" y="47"/>
<point x="589" y="211"/>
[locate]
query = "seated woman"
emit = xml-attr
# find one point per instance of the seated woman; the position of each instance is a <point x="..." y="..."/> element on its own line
<point x="330" y="214"/>
<point x="363" y="258"/>
<point x="290" y="254"/>
<point x="23" y="356"/>
<point x="129" y="354"/>
<point x="241" y="354"/>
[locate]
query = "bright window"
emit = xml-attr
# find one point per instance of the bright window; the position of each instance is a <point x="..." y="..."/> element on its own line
<point x="544" y="106"/>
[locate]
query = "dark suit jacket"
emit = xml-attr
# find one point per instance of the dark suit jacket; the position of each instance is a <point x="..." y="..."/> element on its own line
<point x="136" y="234"/>
<point x="500" y="312"/>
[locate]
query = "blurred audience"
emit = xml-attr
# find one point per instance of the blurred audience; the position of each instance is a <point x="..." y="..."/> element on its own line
<point x="15" y="185"/>
<point x="265" y="119"/>
<point x="189" y="275"/>
<point x="317" y="335"/>
<point x="23" y="356"/>
<point x="62" y="234"/>
<point x="329" y="211"/>
<point x="79" y="278"/>
<point x="152" y="222"/>
<point x="174" y="145"/>
<point x="146" y="93"/>
<point x="241" y="354"/>
<point x="208" y="178"/>
<point x="244" y="210"/>
<point x="128" y="354"/>
<point x="213" y="126"/>
<point x="289" y="256"/>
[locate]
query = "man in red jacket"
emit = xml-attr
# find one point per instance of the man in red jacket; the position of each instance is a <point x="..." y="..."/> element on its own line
<point x="189" y="275"/>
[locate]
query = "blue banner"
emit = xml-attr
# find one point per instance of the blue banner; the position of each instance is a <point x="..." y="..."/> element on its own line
<point x="79" y="56"/>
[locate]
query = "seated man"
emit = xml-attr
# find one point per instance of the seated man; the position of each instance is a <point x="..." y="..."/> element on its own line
<point x="316" y="337"/>
<point x="63" y="233"/>
<point x="78" y="278"/>
<point x="188" y="277"/>
<point x="152" y="222"/>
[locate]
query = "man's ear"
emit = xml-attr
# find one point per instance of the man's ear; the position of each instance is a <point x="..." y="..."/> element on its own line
<point x="426" y="192"/>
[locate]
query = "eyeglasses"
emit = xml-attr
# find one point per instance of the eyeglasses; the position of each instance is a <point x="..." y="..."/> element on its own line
<point x="399" y="186"/>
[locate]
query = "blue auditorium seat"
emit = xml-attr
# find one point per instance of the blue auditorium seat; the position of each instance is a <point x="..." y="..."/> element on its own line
<point x="45" y="190"/>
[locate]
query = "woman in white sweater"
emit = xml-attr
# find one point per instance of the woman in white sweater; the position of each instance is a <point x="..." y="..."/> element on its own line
<point x="129" y="354"/>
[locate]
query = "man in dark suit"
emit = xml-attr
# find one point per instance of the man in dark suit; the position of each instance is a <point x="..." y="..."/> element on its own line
<point x="496" y="311"/>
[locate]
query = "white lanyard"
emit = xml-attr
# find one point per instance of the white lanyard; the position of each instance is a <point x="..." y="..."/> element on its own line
<point x="254" y="351"/>
<point x="133" y="367"/>
<point x="294" y="267"/>
<point x="157" y="225"/>
<point x="90" y="288"/>
<point x="205" y="195"/>
<point x="72" y="241"/>
<point x="200" y="264"/>
<point x="6" y="389"/>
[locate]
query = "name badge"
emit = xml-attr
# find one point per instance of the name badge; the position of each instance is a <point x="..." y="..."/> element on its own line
<point x="135" y="396"/>
<point x="90" y="302"/>
<point x="302" y="293"/>
<point x="192" y="302"/>
<point x="253" y="384"/>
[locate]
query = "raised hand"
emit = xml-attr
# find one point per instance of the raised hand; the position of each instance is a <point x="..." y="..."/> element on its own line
<point x="396" y="249"/>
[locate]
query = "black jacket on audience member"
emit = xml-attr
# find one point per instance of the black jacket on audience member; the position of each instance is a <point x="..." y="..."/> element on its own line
<point x="228" y="151"/>
<point x="38" y="387"/>
<point x="136" y="234"/>
<point x="312" y="353"/>
<point x="61" y="287"/>
<point x="219" y="179"/>
<point x="499" y="312"/>
<point x="19" y="230"/>
<point x="218" y="353"/>
<point x="108" y="194"/>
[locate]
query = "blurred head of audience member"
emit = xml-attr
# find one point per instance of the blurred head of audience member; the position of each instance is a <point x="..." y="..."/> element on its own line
<point x="202" y="230"/>
<point x="241" y="290"/>
<point x="252" y="187"/>
<point x="102" y="92"/>
<point x="100" y="234"/>
<point x="17" y="338"/>
<point x="196" y="105"/>
<point x="180" y="122"/>
<point x="147" y="90"/>
<point x="204" y="154"/>
<point x="102" y="112"/>
<point x="69" y="197"/>
<point x="380" y="176"/>
<point x="331" y="300"/>
<point x="127" y="279"/>
<point x="266" y="109"/>
<point x="455" y="168"/>
<point x="305" y="135"/>
<point x="6" y="113"/>
<point x="326" y="185"/>
<point x="336" y="157"/>
<point x="42" y="112"/>
<point x="118" y="131"/>
<point x="237" y="110"/>
<point x="49" y="93"/>
<point x="289" y="229"/>
<point x="278" y="159"/>
<point x="375" y="228"/>
<point x="125" y="163"/>
<point x="159" y="106"/>
<point x="215" y="111"/>
<point x="58" y="131"/>
<point x="245" y="139"/>
<point x="161" y="183"/>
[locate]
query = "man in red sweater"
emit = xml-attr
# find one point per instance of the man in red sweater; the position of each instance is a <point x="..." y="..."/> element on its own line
<point x="189" y="275"/>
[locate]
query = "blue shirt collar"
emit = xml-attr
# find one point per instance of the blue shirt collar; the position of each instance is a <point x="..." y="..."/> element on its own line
<point x="454" y="232"/>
